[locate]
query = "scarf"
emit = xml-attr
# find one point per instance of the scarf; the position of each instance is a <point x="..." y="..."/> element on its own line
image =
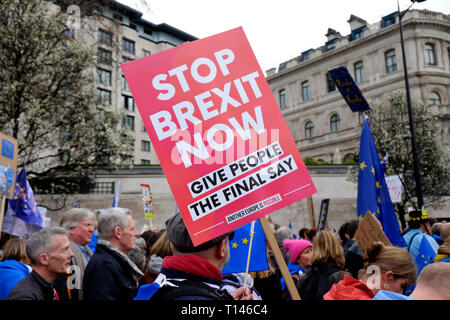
<point x="192" y="264"/>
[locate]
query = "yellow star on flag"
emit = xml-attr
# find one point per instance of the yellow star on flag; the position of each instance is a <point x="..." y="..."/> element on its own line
<point x="244" y="241"/>
<point x="234" y="245"/>
<point x="379" y="200"/>
<point x="362" y="165"/>
<point x="377" y="183"/>
<point x="373" y="170"/>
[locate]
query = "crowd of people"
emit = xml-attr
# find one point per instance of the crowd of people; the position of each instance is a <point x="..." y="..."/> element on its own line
<point x="60" y="263"/>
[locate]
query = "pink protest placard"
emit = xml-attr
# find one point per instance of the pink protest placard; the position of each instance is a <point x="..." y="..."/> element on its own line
<point x="222" y="142"/>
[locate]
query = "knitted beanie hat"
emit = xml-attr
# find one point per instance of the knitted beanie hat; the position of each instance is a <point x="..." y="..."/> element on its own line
<point x="296" y="247"/>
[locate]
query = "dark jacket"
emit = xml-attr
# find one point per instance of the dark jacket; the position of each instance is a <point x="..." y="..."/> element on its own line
<point x="110" y="275"/>
<point x="34" y="287"/>
<point x="318" y="280"/>
<point x="190" y="277"/>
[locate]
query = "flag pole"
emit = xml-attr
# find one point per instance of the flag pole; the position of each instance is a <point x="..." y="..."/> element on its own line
<point x="252" y="232"/>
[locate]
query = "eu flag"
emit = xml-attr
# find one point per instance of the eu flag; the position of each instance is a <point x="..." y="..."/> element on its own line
<point x="24" y="204"/>
<point x="373" y="193"/>
<point x="425" y="254"/>
<point x="239" y="250"/>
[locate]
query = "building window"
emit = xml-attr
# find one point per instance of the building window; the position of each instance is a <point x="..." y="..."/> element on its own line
<point x="430" y="57"/>
<point x="145" y="145"/>
<point x="330" y="83"/>
<point x="391" y="62"/>
<point x="305" y="91"/>
<point x="388" y="20"/>
<point x="105" y="37"/>
<point x="125" y="86"/>
<point x="309" y="129"/>
<point x="128" y="45"/>
<point x="104" y="56"/>
<point x="128" y="121"/>
<point x="359" y="68"/>
<point x="282" y="96"/>
<point x="128" y="103"/>
<point x="330" y="45"/>
<point x="104" y="77"/>
<point x="126" y="59"/>
<point x="145" y="53"/>
<point x="143" y="129"/>
<point x="305" y="55"/>
<point x="104" y="96"/>
<point x="145" y="161"/>
<point x="357" y="34"/>
<point x="434" y="98"/>
<point x="334" y="123"/>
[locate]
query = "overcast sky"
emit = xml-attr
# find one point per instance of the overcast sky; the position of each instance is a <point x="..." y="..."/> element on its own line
<point x="277" y="29"/>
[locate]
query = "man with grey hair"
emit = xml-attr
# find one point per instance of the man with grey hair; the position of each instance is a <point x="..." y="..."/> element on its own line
<point x="110" y="274"/>
<point x="79" y="223"/>
<point x="49" y="253"/>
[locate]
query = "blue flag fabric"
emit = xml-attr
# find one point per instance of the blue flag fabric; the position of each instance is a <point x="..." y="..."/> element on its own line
<point x="239" y="250"/>
<point x="146" y="291"/>
<point x="425" y="255"/>
<point x="24" y="205"/>
<point x="290" y="227"/>
<point x="116" y="196"/>
<point x="373" y="193"/>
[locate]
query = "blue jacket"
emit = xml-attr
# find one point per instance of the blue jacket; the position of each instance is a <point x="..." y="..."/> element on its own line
<point x="389" y="295"/>
<point x="11" y="272"/>
<point x="413" y="238"/>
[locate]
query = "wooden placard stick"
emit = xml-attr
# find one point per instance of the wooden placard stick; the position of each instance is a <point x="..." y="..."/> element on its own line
<point x="279" y="259"/>
<point x="312" y="219"/>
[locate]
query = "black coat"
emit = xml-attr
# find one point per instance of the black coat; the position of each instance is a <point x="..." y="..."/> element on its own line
<point x="34" y="287"/>
<point x="108" y="277"/>
<point x="318" y="280"/>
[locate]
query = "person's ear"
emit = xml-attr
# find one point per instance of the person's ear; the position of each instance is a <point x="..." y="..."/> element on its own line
<point x="43" y="259"/>
<point x="388" y="276"/>
<point x="117" y="232"/>
<point x="222" y="248"/>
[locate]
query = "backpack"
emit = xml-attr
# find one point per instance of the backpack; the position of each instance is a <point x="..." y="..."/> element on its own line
<point x="316" y="283"/>
<point x="191" y="290"/>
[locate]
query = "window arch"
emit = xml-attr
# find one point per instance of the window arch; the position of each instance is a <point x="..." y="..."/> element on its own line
<point x="282" y="98"/>
<point x="434" y="98"/>
<point x="430" y="56"/>
<point x="335" y="122"/>
<point x="348" y="158"/>
<point x="309" y="129"/>
<point x="391" y="61"/>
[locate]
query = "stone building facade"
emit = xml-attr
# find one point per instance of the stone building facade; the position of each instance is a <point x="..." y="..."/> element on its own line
<point x="322" y="124"/>
<point x="119" y="34"/>
<point x="330" y="181"/>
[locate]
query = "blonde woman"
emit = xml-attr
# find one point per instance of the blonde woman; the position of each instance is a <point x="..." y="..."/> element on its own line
<point x="327" y="267"/>
<point x="385" y="268"/>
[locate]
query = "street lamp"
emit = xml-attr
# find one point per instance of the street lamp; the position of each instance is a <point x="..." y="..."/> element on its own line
<point x="410" y="111"/>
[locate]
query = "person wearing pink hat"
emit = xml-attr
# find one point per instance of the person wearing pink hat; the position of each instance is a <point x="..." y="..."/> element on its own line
<point x="299" y="253"/>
